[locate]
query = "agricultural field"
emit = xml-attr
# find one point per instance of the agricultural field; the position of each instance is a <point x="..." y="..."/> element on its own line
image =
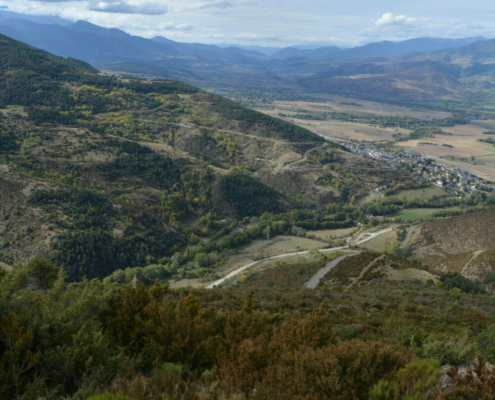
<point x="414" y="214"/>
<point x="345" y="130"/>
<point x="460" y="148"/>
<point x="382" y="242"/>
<point x="467" y="152"/>
<point x="349" y="105"/>
<point x="421" y="193"/>
<point x="409" y="194"/>
<point x="332" y="233"/>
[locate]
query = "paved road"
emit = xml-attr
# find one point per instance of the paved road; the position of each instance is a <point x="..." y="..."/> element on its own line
<point x="315" y="279"/>
<point x="243" y="268"/>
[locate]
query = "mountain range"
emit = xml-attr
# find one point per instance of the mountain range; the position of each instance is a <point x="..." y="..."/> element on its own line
<point x="416" y="69"/>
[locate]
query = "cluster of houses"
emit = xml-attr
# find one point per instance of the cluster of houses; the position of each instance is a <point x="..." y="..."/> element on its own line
<point x="453" y="180"/>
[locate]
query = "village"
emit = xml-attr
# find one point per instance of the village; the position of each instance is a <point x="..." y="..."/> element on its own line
<point x="454" y="180"/>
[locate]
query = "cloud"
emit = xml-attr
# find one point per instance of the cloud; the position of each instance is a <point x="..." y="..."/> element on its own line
<point x="400" y="27"/>
<point x="391" y="19"/>
<point x="130" y="7"/>
<point x="4" y="8"/>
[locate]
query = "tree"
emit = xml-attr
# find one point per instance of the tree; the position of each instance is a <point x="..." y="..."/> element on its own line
<point x="43" y="272"/>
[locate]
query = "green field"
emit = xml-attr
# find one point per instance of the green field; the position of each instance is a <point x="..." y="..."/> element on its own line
<point x="413" y="214"/>
<point x="421" y="193"/>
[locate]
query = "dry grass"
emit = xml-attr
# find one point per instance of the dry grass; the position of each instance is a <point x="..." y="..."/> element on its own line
<point x="332" y="233"/>
<point x="346" y="271"/>
<point x="381" y="242"/>
<point x="466" y="233"/>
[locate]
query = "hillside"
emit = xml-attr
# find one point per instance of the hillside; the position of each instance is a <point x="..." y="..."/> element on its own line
<point x="469" y="232"/>
<point x="94" y="165"/>
<point x="463" y="244"/>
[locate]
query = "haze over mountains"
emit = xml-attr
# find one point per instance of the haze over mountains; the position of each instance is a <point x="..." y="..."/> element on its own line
<point x="416" y="69"/>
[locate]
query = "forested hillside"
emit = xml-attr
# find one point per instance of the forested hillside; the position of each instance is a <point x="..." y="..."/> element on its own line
<point x="101" y="173"/>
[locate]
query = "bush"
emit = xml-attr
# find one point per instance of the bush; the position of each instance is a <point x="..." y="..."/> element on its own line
<point x="110" y="396"/>
<point x="453" y="280"/>
<point x="486" y="343"/>
<point x="449" y="351"/>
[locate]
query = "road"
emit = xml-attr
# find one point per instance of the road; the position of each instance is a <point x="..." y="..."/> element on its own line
<point x="409" y="231"/>
<point x="296" y="253"/>
<point x="315" y="279"/>
<point x="304" y="156"/>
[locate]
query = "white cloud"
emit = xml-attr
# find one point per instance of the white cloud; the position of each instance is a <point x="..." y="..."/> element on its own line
<point x="400" y="27"/>
<point x="391" y="19"/>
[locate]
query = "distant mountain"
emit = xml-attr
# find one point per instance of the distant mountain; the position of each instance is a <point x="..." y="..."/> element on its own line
<point x="418" y="69"/>
<point x="387" y="48"/>
<point x="478" y="52"/>
<point x="268" y="51"/>
<point x="39" y="19"/>
<point x="294" y="52"/>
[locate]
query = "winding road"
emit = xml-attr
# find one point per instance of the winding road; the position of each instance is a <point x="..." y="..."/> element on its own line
<point x="243" y="268"/>
<point x="304" y="156"/>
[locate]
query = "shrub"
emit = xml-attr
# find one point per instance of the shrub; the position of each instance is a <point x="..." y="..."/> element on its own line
<point x="110" y="396"/>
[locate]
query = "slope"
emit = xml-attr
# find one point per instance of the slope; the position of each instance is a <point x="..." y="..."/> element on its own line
<point x="102" y="173"/>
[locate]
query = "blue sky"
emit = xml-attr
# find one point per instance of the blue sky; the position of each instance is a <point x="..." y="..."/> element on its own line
<point x="276" y="22"/>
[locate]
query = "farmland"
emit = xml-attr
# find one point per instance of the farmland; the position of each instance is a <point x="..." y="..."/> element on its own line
<point x="414" y="214"/>
<point x="460" y="147"/>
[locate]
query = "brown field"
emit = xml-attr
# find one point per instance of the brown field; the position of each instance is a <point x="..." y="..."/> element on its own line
<point x="344" y="130"/>
<point x="464" y="139"/>
<point x="368" y="108"/>
<point x="381" y="242"/>
<point x="332" y="233"/>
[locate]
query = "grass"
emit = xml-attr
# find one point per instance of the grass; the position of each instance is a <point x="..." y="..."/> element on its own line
<point x="414" y="214"/>
<point x="381" y="242"/>
<point x="422" y="193"/>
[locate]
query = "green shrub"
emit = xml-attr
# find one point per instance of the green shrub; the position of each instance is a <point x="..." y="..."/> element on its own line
<point x="453" y="280"/>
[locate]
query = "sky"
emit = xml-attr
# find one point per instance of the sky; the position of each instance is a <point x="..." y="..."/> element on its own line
<point x="278" y="23"/>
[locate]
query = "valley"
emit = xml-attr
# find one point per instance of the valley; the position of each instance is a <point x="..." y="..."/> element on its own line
<point x="159" y="241"/>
